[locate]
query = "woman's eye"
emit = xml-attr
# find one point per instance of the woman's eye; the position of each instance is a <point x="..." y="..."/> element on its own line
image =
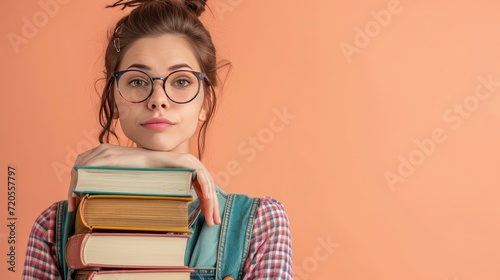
<point x="182" y="83"/>
<point x="138" y="83"/>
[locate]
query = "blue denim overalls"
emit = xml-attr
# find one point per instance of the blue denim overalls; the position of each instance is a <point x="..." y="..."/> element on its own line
<point x="215" y="253"/>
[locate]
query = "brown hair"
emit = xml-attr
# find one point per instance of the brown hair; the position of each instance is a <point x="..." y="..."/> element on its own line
<point x="155" y="18"/>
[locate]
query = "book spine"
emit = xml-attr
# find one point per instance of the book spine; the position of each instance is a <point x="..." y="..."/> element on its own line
<point x="81" y="225"/>
<point x="74" y="251"/>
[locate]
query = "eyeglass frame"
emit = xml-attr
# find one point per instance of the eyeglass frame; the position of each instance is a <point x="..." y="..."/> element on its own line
<point x="200" y="75"/>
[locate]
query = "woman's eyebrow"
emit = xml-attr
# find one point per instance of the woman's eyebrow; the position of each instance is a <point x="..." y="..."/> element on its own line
<point x="140" y="66"/>
<point x="178" y="66"/>
<point x="171" y="68"/>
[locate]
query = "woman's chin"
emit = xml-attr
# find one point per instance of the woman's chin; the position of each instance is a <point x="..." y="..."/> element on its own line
<point x="159" y="148"/>
<point x="162" y="147"/>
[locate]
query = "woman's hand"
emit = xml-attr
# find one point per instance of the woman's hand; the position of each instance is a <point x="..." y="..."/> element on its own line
<point x="112" y="155"/>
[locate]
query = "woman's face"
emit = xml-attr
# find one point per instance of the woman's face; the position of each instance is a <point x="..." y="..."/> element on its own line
<point x="158" y="123"/>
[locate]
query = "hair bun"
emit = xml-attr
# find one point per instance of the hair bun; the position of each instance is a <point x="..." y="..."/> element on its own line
<point x="196" y="6"/>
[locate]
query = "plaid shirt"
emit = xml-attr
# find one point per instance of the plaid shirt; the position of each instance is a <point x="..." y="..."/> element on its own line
<point x="270" y="252"/>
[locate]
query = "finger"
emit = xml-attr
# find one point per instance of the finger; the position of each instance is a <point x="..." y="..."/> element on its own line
<point x="214" y="198"/>
<point x="216" y="211"/>
<point x="206" y="206"/>
<point x="202" y="185"/>
<point x="210" y="206"/>
<point x="203" y="177"/>
<point x="208" y="212"/>
<point x="205" y="183"/>
<point x="91" y="155"/>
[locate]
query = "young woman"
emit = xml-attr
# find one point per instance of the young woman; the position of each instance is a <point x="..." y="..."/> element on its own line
<point x="161" y="70"/>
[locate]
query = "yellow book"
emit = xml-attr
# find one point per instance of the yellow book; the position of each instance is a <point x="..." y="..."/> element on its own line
<point x="133" y="213"/>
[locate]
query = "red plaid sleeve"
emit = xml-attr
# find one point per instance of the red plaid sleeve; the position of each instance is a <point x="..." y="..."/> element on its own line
<point x="40" y="260"/>
<point x="270" y="252"/>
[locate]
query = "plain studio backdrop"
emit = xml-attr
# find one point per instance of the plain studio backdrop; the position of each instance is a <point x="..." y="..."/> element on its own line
<point x="376" y="124"/>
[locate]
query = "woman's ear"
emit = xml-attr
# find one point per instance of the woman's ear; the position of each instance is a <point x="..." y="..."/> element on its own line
<point x="203" y="115"/>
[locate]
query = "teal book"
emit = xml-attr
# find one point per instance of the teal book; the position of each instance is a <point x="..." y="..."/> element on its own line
<point x="134" y="181"/>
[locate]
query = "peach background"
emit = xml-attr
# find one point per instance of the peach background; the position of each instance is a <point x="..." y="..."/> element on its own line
<point x="356" y="117"/>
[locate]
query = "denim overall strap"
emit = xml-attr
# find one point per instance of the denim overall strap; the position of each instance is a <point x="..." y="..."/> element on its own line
<point x="202" y="245"/>
<point x="236" y="232"/>
<point x="64" y="228"/>
<point x="221" y="250"/>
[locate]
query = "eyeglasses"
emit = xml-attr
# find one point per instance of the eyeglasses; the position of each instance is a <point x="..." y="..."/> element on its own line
<point x="181" y="86"/>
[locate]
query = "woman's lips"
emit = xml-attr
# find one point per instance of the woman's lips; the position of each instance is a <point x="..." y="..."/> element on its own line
<point x="157" y="123"/>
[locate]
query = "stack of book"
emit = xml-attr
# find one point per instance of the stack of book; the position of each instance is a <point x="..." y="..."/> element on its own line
<point x="131" y="223"/>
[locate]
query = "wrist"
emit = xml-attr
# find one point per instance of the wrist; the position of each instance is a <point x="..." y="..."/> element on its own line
<point x="159" y="159"/>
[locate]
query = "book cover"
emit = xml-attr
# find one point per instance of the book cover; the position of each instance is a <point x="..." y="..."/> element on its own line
<point x="126" y="250"/>
<point x="127" y="274"/>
